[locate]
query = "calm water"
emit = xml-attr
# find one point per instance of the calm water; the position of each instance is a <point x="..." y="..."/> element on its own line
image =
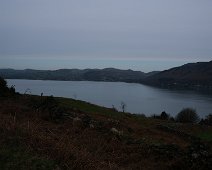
<point x="138" y="98"/>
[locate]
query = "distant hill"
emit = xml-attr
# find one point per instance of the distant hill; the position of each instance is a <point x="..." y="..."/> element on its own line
<point x="107" y="74"/>
<point x="189" y="75"/>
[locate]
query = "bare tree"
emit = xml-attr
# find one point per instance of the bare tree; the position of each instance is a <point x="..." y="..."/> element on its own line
<point x="27" y="91"/>
<point x="75" y="96"/>
<point x="123" y="106"/>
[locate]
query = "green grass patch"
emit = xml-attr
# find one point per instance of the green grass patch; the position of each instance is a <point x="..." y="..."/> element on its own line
<point x="90" y="108"/>
<point x="13" y="156"/>
<point x="206" y="136"/>
<point x="15" y="159"/>
<point x="86" y="107"/>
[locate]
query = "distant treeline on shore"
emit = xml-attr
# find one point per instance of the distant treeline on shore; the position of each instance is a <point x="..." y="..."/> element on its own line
<point x="190" y="76"/>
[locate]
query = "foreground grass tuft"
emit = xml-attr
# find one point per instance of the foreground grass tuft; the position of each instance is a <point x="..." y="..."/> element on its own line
<point x="206" y="136"/>
<point x="14" y="156"/>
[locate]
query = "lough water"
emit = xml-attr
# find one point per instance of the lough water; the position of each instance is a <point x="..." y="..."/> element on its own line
<point x="138" y="98"/>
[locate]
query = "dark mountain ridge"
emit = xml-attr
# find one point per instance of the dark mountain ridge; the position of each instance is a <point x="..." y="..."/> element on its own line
<point x="107" y="74"/>
<point x="189" y="75"/>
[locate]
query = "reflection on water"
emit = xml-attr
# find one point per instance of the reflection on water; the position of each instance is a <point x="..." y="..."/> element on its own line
<point x="138" y="98"/>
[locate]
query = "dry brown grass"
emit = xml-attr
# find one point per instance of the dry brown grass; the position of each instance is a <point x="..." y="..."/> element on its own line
<point x="75" y="147"/>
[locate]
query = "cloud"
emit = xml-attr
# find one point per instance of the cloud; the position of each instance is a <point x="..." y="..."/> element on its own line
<point x="147" y="30"/>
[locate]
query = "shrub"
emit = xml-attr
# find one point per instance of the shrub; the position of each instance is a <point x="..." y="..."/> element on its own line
<point x="187" y="115"/>
<point x="3" y="87"/>
<point x="49" y="106"/>
<point x="207" y="120"/>
<point x="164" y="115"/>
<point x="4" y="90"/>
<point x="155" y="116"/>
<point x="3" y="83"/>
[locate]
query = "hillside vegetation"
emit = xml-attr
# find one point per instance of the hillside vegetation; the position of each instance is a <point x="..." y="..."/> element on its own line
<point x="108" y="74"/>
<point x="44" y="132"/>
<point x="196" y="76"/>
<point x="192" y="75"/>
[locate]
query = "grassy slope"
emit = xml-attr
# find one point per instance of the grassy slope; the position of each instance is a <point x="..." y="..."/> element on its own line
<point x="46" y="143"/>
<point x="202" y="132"/>
<point x="14" y="156"/>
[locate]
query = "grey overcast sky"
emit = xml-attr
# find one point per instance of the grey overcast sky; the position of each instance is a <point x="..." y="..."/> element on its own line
<point x="129" y="34"/>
